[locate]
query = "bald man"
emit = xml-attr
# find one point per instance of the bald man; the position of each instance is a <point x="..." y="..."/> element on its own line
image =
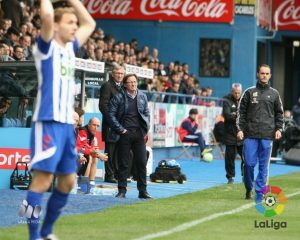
<point x="87" y="144"/>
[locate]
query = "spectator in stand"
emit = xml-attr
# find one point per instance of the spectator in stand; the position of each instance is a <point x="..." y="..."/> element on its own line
<point x="188" y="132"/>
<point x="25" y="43"/>
<point x="161" y="69"/>
<point x="5" y="24"/>
<point x="90" y="50"/>
<point x="12" y="36"/>
<point x="133" y="44"/>
<point x="233" y="145"/>
<point x="4" y="52"/>
<point x="145" y="51"/>
<point x="209" y="91"/>
<point x="296" y="112"/>
<point x="170" y="68"/>
<point x="188" y="87"/>
<point x="107" y="92"/>
<point x="18" y="54"/>
<point x="173" y="98"/>
<point x="23" y="29"/>
<point x="87" y="144"/>
<point x="154" y="55"/>
<point x="98" y="54"/>
<point x="185" y="68"/>
<point x="5" y="103"/>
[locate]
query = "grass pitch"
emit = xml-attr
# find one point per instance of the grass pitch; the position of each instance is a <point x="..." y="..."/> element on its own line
<point x="138" y="220"/>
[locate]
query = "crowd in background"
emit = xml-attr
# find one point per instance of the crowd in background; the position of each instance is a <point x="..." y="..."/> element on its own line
<point x="19" y="28"/>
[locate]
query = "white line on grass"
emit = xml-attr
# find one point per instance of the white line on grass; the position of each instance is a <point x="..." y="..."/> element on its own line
<point x="193" y="223"/>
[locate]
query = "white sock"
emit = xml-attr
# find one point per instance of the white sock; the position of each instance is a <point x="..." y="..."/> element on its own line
<point x="92" y="182"/>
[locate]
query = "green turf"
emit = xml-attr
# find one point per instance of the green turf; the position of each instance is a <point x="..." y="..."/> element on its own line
<point x="139" y="219"/>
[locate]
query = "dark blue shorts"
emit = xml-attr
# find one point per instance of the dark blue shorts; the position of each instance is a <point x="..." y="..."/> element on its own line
<point x="52" y="147"/>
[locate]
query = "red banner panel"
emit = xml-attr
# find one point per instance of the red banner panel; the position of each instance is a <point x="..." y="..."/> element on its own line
<point x="10" y="156"/>
<point x="286" y="14"/>
<point x="166" y="10"/>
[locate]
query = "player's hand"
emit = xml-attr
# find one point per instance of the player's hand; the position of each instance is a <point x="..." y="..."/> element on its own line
<point x="277" y="135"/>
<point x="102" y="156"/>
<point x="240" y="135"/>
<point x="124" y="131"/>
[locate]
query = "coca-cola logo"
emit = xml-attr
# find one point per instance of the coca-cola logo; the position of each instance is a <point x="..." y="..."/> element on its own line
<point x="113" y="7"/>
<point x="287" y="13"/>
<point x="212" y="8"/>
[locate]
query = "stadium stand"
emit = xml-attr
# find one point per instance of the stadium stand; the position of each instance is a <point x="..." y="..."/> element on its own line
<point x="16" y="42"/>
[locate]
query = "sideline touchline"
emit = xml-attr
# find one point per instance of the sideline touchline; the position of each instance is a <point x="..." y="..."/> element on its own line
<point x="193" y="223"/>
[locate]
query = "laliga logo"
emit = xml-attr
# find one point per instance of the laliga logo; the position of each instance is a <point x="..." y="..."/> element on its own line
<point x="272" y="203"/>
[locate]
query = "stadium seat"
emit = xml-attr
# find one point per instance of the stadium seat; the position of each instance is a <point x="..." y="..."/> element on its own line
<point x="186" y="148"/>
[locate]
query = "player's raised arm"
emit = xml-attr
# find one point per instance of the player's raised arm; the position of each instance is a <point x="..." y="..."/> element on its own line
<point x="47" y="18"/>
<point x="86" y="22"/>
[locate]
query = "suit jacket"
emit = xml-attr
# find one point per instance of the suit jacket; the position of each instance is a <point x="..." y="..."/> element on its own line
<point x="107" y="91"/>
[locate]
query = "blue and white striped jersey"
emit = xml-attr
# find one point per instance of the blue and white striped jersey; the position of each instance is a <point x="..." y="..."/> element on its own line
<point x="56" y="72"/>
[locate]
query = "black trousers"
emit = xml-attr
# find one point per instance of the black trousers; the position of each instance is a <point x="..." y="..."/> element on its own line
<point x="111" y="165"/>
<point x="230" y="154"/>
<point x="132" y="140"/>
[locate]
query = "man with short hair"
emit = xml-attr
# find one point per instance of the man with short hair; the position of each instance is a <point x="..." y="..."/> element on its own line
<point x="129" y="116"/>
<point x="259" y="122"/>
<point x="233" y="145"/>
<point x="63" y="30"/>
<point x="18" y="54"/>
<point x="107" y="91"/>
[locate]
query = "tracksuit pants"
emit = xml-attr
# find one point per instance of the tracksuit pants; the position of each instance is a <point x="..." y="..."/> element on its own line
<point x="195" y="138"/>
<point x="257" y="150"/>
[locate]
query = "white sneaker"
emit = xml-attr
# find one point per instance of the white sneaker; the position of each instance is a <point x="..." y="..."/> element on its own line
<point x="51" y="237"/>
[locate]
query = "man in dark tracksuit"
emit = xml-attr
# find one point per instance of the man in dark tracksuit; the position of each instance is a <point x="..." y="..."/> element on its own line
<point x="107" y="92"/>
<point x="259" y="121"/>
<point x="233" y="145"/>
<point x="129" y="116"/>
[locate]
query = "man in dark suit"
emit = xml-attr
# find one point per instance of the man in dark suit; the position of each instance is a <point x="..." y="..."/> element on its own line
<point x="108" y="91"/>
<point x="129" y="117"/>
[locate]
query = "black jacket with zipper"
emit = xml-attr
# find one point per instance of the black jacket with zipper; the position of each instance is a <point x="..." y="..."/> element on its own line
<point x="260" y="112"/>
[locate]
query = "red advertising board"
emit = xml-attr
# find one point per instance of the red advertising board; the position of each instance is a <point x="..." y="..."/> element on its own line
<point x="286" y="14"/>
<point x="10" y="156"/>
<point x="166" y="10"/>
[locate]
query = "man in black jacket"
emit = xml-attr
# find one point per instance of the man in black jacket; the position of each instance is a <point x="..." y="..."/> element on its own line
<point x="107" y="92"/>
<point x="129" y="116"/>
<point x="233" y="145"/>
<point x="259" y="121"/>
